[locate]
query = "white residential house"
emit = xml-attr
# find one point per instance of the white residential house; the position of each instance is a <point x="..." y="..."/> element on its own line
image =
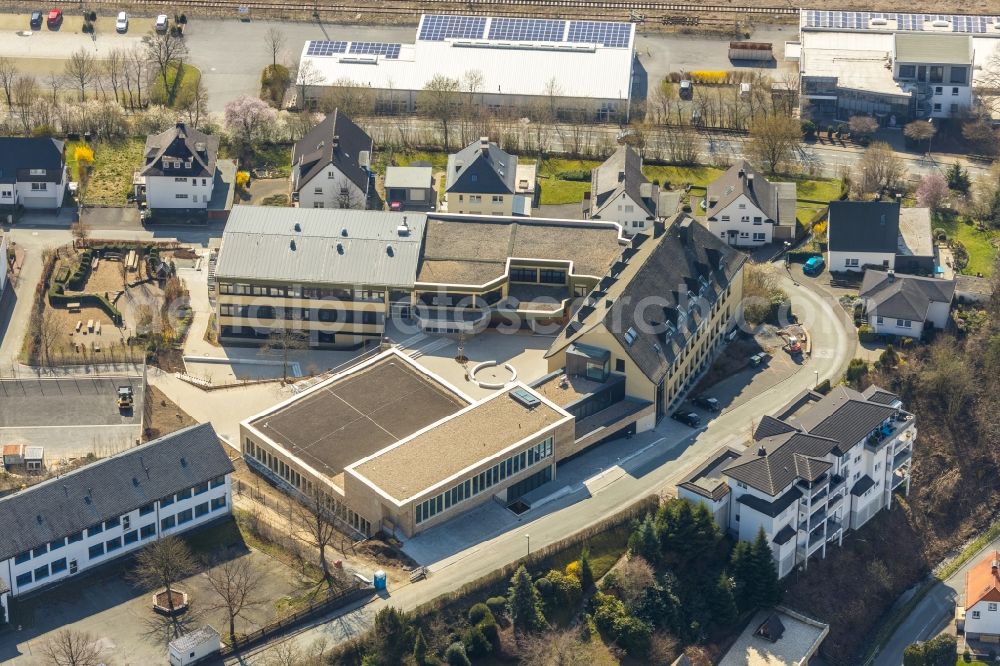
<point x="74" y="522"/>
<point x="982" y="600"/>
<point x="179" y="170"/>
<point x="905" y="305"/>
<point x="331" y="165"/>
<point x="32" y="172"/>
<point x="482" y="179"/>
<point x="746" y="210"/>
<point x="619" y="192"/>
<point x="822" y="466"/>
<point x="862" y="234"/>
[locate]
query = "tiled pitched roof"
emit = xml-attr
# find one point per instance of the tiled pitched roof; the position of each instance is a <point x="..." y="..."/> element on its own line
<point x="316" y="150"/>
<point x="742" y="180"/>
<point x="108" y="488"/>
<point x="18" y="155"/>
<point x="779" y="461"/>
<point x="770" y="426"/>
<point x="185" y="144"/>
<point x="863" y="226"/>
<point x="903" y="296"/>
<point x="982" y="582"/>
<point x="622" y="172"/>
<point x="477" y="171"/>
<point x="845" y="416"/>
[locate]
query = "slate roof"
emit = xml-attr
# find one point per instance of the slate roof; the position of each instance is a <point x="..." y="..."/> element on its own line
<point x="473" y="170"/>
<point x="316" y="150"/>
<point x="742" y="180"/>
<point x="863" y="485"/>
<point x="770" y="509"/>
<point x="622" y="172"/>
<point x="796" y="447"/>
<point x="330" y="246"/>
<point x="863" y="226"/>
<point x="18" y="155"/>
<point x="903" y="296"/>
<point x="108" y="488"/>
<point x="686" y="268"/>
<point x="784" y="535"/>
<point x="181" y="143"/>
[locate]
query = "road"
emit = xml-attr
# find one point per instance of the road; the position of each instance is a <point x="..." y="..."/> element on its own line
<point x="659" y="459"/>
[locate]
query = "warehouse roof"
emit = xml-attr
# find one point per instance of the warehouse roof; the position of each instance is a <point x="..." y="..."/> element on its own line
<point x="108" y="488"/>
<point x="474" y="250"/>
<point x="508" y="66"/>
<point x="480" y="432"/>
<point x="316" y="245"/>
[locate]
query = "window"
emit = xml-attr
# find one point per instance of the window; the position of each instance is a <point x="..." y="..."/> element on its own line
<point x="131" y="537"/>
<point x="37" y="187"/>
<point x="475" y="198"/>
<point x="167" y="523"/>
<point x="183" y="495"/>
<point x="523" y="275"/>
<point x="203" y="182"/>
<point x="24" y="579"/>
<point x="201" y="488"/>
<point x="742" y="206"/>
<point x="318" y="190"/>
<point x="851" y="262"/>
<point x="114" y="544"/>
<point x="166" y="501"/>
<point x="619" y="365"/>
<point x="76" y="536"/>
<point x="907" y="71"/>
<point x="41" y="572"/>
<point x="58" y="543"/>
<point x="992" y="608"/>
<point x="114" y="522"/>
<point x="41" y="550"/>
<point x="725" y="218"/>
<point x="759" y="238"/>
<point x="201" y="510"/>
<point x="958" y="75"/>
<point x="937" y="108"/>
<point x="549" y="276"/>
<point x="146" y="510"/>
<point x="879" y="320"/>
<point x="758" y="220"/>
<point x="954" y="92"/>
<point x="938" y="90"/>
<point x="6" y="194"/>
<point x="317" y="204"/>
<point x="218" y="481"/>
<point x="36" y="172"/>
<point x="180" y="180"/>
<point x="96" y="550"/>
<point x="742" y="485"/>
<point x="184" y="516"/>
<point x="975" y="615"/>
<point x="59" y="565"/>
<point x="629" y="208"/>
<point x="21" y="558"/>
<point x="953" y="108"/>
<point x="936" y="73"/>
<point x="498" y="198"/>
<point x="904" y="323"/>
<point x="194" y="199"/>
<point x="219" y="503"/>
<point x="180" y="196"/>
<point x="147" y="531"/>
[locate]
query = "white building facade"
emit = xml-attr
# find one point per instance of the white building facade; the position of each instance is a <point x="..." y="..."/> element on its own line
<point x="3" y="263"/>
<point x="32" y="173"/>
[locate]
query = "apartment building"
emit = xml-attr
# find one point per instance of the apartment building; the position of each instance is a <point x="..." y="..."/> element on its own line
<point x="67" y="525"/>
<point x="820" y="467"/>
<point x="32" y="172"/>
<point x="388" y="446"/>
<point x="330" y="165"/>
<point x="330" y="275"/>
<point x="660" y="314"/>
<point x="745" y="209"/>
<point x="482" y="179"/>
<point x="178" y="172"/>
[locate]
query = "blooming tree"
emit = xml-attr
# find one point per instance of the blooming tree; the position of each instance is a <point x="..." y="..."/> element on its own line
<point x="932" y="191"/>
<point x="248" y="118"/>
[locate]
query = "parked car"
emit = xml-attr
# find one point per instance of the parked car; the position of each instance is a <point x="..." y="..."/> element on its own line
<point x="759" y="359"/>
<point x="708" y="402"/>
<point x="686" y="89"/>
<point x="36" y="19"/>
<point x="687" y="418"/>
<point x="162" y="23"/>
<point x="121" y="23"/>
<point x="813" y="265"/>
<point x="55" y="18"/>
<point x="793" y="345"/>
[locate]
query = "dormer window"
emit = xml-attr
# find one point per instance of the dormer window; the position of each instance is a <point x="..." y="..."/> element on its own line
<point x="37" y="172"/>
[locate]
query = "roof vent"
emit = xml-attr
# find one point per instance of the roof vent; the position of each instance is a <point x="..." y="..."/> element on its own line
<point x="343" y="232"/>
<point x="403" y="229"/>
<point x="184" y="462"/>
<point x="389" y="251"/>
<point x="340" y="248"/>
<point x="298" y="227"/>
<point x="336" y="140"/>
<point x="291" y="244"/>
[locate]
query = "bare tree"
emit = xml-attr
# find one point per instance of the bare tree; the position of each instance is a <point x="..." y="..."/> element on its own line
<point x="80" y="232"/>
<point x="275" y="41"/>
<point x="316" y="531"/>
<point x="235" y="581"/>
<point x="773" y="140"/>
<point x="114" y="68"/>
<point x="82" y="70"/>
<point x="49" y="332"/>
<point x="307" y="77"/>
<point x="285" y="340"/>
<point x="135" y="74"/>
<point x="920" y="131"/>
<point x="193" y="100"/>
<point x="350" y="97"/>
<point x="55" y="84"/>
<point x="556" y="647"/>
<point x="8" y="74"/>
<point x="162" y="564"/>
<point x="881" y="169"/>
<point x="71" y="648"/>
<point x="24" y="91"/>
<point x="167" y="50"/>
<point x="438" y="100"/>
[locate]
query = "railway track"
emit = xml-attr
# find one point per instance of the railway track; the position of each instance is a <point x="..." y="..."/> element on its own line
<point x="593" y="8"/>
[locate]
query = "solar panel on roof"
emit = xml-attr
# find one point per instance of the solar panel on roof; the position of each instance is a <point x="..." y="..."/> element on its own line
<point x="322" y="47"/>
<point x="389" y="51"/>
<point x="437" y="28"/>
<point x="527" y="29"/>
<point x="611" y="35"/>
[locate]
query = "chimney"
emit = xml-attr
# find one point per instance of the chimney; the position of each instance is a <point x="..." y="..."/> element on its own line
<point x="891" y="274"/>
<point x="484" y="144"/>
<point x="684" y="230"/>
<point x="742" y="174"/>
<point x="761" y="451"/>
<point x="621" y="176"/>
<point x="336" y="141"/>
<point x="994" y="565"/>
<point x="750" y="182"/>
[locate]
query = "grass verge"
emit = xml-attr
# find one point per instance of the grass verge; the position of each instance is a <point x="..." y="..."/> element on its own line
<point x="979" y="244"/>
<point x="181" y="83"/>
<point x="111" y="173"/>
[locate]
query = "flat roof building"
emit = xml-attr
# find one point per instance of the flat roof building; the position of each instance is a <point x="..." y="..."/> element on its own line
<point x="390" y="446"/>
<point x="584" y="66"/>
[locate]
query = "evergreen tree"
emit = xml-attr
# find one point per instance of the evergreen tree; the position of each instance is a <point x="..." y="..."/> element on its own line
<point x="767" y="592"/>
<point x="741" y="567"/>
<point x="687" y="533"/>
<point x="724" y="611"/>
<point x="524" y="604"/>
<point x="643" y="541"/>
<point x="420" y="649"/>
<point x="391" y="629"/>
<point x="586" y="573"/>
<point x="958" y="178"/>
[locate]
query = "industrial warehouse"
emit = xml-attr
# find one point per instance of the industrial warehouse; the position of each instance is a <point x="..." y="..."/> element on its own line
<point x="581" y="68"/>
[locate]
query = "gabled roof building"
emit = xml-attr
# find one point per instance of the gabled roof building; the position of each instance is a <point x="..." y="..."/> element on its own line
<point x="331" y="165"/>
<point x="745" y="209"/>
<point x="482" y="179"/>
<point x="822" y="465"/>
<point x="179" y="169"/>
<point x="619" y="192"/>
<point x="32" y="173"/>
<point x="905" y="305"/>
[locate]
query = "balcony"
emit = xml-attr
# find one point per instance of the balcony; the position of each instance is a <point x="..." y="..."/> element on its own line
<point x="902" y="458"/>
<point x="896" y="426"/>
<point x="834" y="502"/>
<point x="836" y="481"/>
<point x="833" y="528"/>
<point x="817" y="518"/>
<point x="899" y="477"/>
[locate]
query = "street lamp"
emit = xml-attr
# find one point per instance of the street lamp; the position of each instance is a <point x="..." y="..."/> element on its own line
<point x="527" y="537"/>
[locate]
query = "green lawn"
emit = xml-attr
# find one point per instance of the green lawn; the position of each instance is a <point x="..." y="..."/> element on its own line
<point x="678" y="176"/>
<point x="606" y="548"/>
<point x="818" y="190"/>
<point x="111" y="174"/>
<point x="178" y="83"/>
<point x="554" y="192"/>
<point x="975" y="662"/>
<point x="979" y="244"/>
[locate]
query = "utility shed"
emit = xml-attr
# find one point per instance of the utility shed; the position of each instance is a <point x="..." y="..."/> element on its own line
<point x="193" y="647"/>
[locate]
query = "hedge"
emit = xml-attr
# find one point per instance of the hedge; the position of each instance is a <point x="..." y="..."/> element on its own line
<point x="578" y="175"/>
<point x="57" y="299"/>
<point x="800" y="256"/>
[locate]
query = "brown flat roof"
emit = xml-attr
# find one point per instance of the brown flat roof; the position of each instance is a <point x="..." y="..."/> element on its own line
<point x="476" y="434"/>
<point x="566" y="389"/>
<point x="475" y="251"/>
<point x="359" y="414"/>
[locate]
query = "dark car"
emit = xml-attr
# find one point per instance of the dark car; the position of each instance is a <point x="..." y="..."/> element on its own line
<point x="36" y="19"/>
<point x="687" y="418"/>
<point x="707" y="402"/>
<point x="55" y="18"/>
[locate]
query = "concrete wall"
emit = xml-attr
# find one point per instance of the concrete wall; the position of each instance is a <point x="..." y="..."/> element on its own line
<point x="178" y="192"/>
<point x="330" y="188"/>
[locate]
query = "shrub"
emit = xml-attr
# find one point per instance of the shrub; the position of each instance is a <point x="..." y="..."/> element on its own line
<point x="565" y="590"/>
<point x="808" y="129"/>
<point x="823" y="387"/>
<point x="578" y="175"/>
<point x="455" y="655"/>
<point x="856" y="369"/>
<point x="242" y="178"/>
<point x="544" y="587"/>
<point x="479" y="612"/>
<point x="84" y="154"/>
<point x="940" y="234"/>
<point x="475" y="642"/>
<point x="498" y="605"/>
<point x="866" y="333"/>
<point x="489" y="627"/>
<point x="573" y="569"/>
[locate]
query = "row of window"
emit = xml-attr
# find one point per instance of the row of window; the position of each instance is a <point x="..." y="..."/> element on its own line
<point x="325" y="315"/>
<point x="123" y="521"/>
<point x="933" y="73"/>
<point x="745" y="219"/>
<point x="194" y="197"/>
<point x="478" y="198"/>
<point x="900" y="323"/>
<point x="296" y="291"/>
<point x="484" y="480"/>
<point x="543" y="275"/>
<point x="194" y="181"/>
<point x="187" y="515"/>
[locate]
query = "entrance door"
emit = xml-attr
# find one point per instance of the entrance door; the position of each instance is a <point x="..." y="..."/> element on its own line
<point x="72" y="567"/>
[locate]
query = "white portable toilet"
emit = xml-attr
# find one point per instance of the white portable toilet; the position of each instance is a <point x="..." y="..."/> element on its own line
<point x="194" y="647"/>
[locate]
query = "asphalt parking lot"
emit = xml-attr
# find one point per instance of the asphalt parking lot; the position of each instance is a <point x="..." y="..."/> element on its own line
<point x="70" y="417"/>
